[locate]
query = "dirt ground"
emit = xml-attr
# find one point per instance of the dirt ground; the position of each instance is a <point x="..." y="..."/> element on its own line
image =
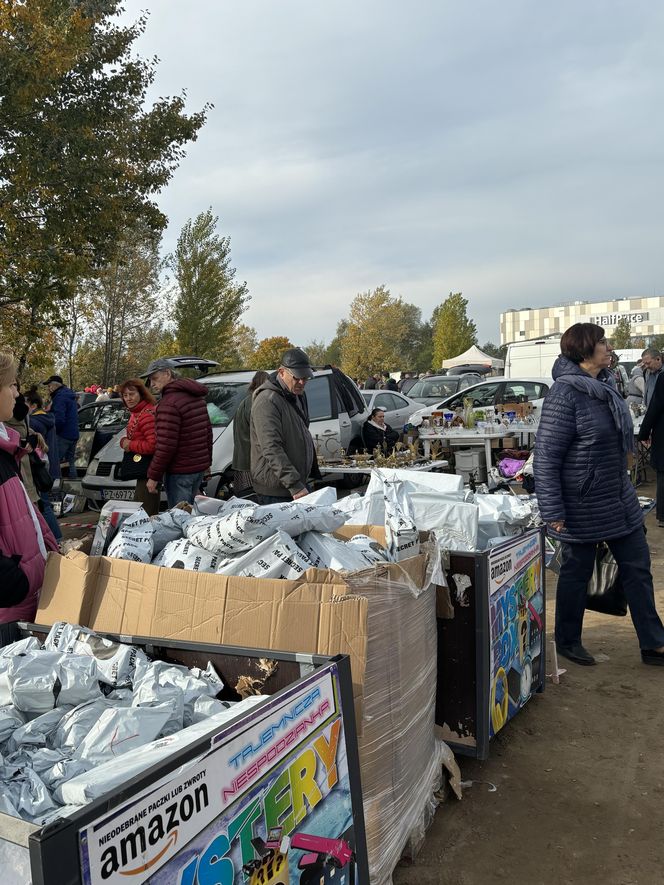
<point x="579" y="775"/>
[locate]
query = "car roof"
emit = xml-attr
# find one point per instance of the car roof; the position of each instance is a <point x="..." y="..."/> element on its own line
<point x="246" y="375"/>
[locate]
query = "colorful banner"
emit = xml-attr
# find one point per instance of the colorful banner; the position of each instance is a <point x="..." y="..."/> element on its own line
<point x="269" y="803"/>
<point x="516" y="621"/>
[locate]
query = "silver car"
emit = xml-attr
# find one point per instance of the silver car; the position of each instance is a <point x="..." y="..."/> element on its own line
<point x="337" y="412"/>
<point x="397" y="406"/>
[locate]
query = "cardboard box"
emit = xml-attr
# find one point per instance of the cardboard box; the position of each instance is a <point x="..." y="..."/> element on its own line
<point x="383" y="617"/>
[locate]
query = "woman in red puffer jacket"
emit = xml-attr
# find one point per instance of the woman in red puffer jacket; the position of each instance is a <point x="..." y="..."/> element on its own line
<point x="24" y="536"/>
<point x="140" y="437"/>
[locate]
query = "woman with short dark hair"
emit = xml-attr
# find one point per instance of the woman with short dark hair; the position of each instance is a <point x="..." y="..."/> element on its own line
<point x="584" y="492"/>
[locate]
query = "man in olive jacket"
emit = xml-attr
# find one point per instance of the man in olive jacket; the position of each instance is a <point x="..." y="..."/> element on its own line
<point x="282" y="450"/>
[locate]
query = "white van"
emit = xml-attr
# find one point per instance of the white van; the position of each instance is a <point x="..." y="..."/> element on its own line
<point x="532" y="359"/>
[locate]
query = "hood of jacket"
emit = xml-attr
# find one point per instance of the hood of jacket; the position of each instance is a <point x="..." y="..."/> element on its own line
<point x="564" y="366"/>
<point x="46" y="419"/>
<point x="185" y="385"/>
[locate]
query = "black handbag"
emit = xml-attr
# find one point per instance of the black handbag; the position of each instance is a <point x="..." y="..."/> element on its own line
<point x="133" y="465"/>
<point x="605" y="592"/>
<point x="40" y="473"/>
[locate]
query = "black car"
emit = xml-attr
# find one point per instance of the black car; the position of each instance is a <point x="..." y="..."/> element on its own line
<point x="98" y="423"/>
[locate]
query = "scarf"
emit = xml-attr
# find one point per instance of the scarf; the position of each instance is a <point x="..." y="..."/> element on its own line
<point x="602" y="388"/>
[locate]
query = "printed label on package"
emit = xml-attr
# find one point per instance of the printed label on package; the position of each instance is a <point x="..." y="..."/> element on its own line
<point x="516" y="621"/>
<point x="269" y="802"/>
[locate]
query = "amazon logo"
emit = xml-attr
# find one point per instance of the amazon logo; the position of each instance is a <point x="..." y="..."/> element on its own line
<point x="134" y="849"/>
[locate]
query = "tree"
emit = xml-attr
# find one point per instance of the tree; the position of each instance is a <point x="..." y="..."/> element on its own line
<point x="382" y="334"/>
<point x="333" y="354"/>
<point x="82" y="154"/>
<point x="498" y="351"/>
<point x="209" y="302"/>
<point x="317" y="352"/>
<point x="269" y="352"/>
<point x="243" y="347"/>
<point x="453" y="332"/>
<point x="622" y="336"/>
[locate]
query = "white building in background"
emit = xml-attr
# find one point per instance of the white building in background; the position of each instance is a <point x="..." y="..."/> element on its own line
<point x="646" y="316"/>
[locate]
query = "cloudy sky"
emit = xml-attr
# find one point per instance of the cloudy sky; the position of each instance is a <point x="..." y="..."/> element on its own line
<point x="512" y="151"/>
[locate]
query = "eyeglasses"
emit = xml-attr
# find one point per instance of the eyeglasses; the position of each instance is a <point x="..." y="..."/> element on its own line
<point x="295" y="378"/>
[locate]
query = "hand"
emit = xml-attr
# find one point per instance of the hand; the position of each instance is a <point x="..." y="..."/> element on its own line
<point x="558" y="525"/>
<point x="300" y="494"/>
<point x="124" y="444"/>
<point x="152" y="486"/>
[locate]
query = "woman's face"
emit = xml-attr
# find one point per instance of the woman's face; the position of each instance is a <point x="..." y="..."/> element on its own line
<point x="602" y="354"/>
<point x="379" y="418"/>
<point x="131" y="397"/>
<point x="8" y="394"/>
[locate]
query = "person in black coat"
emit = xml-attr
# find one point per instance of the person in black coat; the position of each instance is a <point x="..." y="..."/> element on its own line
<point x="652" y="428"/>
<point x="377" y="434"/>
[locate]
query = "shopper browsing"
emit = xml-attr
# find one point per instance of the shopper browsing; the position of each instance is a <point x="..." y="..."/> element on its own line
<point x="139" y="441"/>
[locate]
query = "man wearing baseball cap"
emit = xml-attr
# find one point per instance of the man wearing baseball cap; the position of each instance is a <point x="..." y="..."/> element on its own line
<point x="183" y="450"/>
<point x="65" y="410"/>
<point x="282" y="450"/>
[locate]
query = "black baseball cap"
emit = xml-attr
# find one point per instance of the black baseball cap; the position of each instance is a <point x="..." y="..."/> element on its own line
<point x="297" y="362"/>
<point x="155" y="366"/>
<point x="54" y="379"/>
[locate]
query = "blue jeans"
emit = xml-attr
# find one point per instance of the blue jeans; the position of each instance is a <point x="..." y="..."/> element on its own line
<point x="272" y="499"/>
<point x="632" y="555"/>
<point x="182" y="487"/>
<point x="67" y="452"/>
<point x="49" y="515"/>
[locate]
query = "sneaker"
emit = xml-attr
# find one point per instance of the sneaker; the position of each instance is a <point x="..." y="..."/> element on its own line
<point x="660" y="523"/>
<point x="650" y="656"/>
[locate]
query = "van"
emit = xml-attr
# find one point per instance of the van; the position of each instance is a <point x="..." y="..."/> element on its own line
<point x="532" y="359"/>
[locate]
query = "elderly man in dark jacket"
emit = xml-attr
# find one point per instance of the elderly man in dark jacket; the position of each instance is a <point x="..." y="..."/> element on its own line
<point x="282" y="450"/>
<point x="652" y="428"/>
<point x="584" y="493"/>
<point x="184" y="434"/>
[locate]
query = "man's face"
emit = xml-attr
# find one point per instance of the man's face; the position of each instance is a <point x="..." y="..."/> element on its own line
<point x="52" y="387"/>
<point x="295" y="385"/>
<point x="159" y="379"/>
<point x="651" y="363"/>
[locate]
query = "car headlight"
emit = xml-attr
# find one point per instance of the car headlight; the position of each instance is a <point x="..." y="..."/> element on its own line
<point x="92" y="467"/>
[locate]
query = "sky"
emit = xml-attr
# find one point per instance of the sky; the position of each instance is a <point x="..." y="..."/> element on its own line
<point x="512" y="151"/>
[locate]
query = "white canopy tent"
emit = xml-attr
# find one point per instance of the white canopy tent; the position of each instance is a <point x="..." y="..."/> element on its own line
<point x="474" y="357"/>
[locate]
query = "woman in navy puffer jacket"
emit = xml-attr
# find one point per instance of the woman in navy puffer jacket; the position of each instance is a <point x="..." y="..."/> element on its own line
<point x="584" y="492"/>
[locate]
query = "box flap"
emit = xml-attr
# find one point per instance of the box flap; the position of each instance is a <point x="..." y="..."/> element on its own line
<point x="68" y="589"/>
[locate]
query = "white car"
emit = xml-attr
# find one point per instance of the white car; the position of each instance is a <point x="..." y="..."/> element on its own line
<point x="397" y="406"/>
<point x="494" y="391"/>
<point x="337" y="412"/>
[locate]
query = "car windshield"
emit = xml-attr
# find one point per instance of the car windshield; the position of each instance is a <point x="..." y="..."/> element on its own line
<point x="223" y="399"/>
<point x="434" y="387"/>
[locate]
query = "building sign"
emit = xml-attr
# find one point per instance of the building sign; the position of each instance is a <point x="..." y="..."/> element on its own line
<point x="269" y="802"/>
<point x="612" y="319"/>
<point x="516" y="622"/>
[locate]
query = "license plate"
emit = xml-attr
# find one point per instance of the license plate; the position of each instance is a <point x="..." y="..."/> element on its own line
<point x="117" y="494"/>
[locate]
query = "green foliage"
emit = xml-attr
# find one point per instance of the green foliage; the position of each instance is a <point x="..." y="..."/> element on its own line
<point x="317" y="352"/>
<point x="498" y="351"/>
<point x="82" y="154"/>
<point x="268" y="354"/>
<point x="453" y="332"/>
<point x="622" y="336"/>
<point x="209" y="302"/>
<point x="333" y="352"/>
<point x="383" y="333"/>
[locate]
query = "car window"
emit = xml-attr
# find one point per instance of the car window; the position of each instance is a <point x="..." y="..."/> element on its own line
<point x="483" y="395"/>
<point x="524" y="391"/>
<point x="441" y="387"/>
<point x="86" y="418"/>
<point x="223" y="399"/>
<point x="399" y="402"/>
<point x="367" y="394"/>
<point x="111" y="414"/>
<point x="468" y="381"/>
<point x="384" y="401"/>
<point x="319" y="399"/>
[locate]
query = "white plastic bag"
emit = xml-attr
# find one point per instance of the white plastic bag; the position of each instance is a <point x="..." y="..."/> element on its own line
<point x="122" y="730"/>
<point x="32" y="679"/>
<point x="324" y="551"/>
<point x="134" y="539"/>
<point x="37" y="732"/>
<point x="401" y="532"/>
<point x="276" y="557"/>
<point x="79" y="680"/>
<point x="11" y="719"/>
<point x="116" y="662"/>
<point x="186" y="555"/>
<point x="76" y="724"/>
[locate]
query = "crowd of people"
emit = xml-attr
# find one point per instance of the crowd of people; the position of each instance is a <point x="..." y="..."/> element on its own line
<point x="384" y="381"/>
<point x="583" y="446"/>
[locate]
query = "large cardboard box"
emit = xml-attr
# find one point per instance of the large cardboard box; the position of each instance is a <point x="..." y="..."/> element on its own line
<point x="383" y="617"/>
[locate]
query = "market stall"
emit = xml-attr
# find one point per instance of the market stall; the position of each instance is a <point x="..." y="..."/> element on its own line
<point x="229" y="802"/>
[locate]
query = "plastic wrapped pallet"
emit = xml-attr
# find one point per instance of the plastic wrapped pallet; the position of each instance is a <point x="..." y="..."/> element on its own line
<point x="400" y="758"/>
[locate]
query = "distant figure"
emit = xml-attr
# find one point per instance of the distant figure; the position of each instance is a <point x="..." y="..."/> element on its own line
<point x="388" y="383"/>
<point x="372" y="382"/>
<point x="651" y="360"/>
<point x="242" y="439"/>
<point x="636" y="386"/>
<point x="65" y="408"/>
<point x="408" y="382"/>
<point x="619" y="375"/>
